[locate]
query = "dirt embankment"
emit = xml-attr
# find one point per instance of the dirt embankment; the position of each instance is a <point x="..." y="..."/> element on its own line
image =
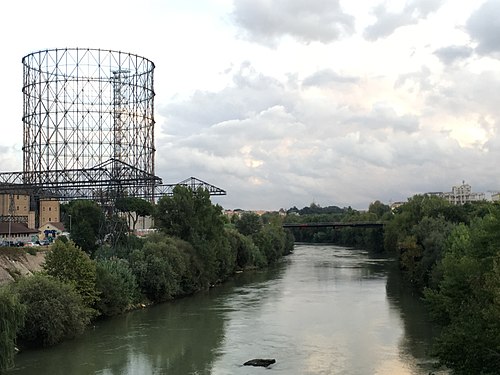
<point x="15" y="262"/>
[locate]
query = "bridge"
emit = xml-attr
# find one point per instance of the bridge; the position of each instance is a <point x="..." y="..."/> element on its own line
<point x="353" y="224"/>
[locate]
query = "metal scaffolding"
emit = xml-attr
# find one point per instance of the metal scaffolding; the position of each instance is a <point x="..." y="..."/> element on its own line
<point x="88" y="128"/>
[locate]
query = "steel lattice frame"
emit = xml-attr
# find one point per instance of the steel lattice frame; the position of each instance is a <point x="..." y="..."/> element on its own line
<point x="84" y="108"/>
<point x="89" y="129"/>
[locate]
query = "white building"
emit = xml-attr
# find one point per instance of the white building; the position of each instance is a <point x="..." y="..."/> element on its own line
<point x="463" y="194"/>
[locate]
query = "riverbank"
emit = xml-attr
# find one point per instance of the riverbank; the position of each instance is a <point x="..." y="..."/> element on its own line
<point x="16" y="262"/>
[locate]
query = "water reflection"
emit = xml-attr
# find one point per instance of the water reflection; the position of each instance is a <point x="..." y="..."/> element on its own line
<point x="173" y="338"/>
<point x="323" y="310"/>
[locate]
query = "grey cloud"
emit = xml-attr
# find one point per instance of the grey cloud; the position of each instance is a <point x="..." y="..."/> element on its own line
<point x="388" y="22"/>
<point x="274" y="149"/>
<point x="385" y="118"/>
<point x="448" y="55"/>
<point x="306" y="20"/>
<point x="251" y="93"/>
<point x="483" y="26"/>
<point x="326" y="77"/>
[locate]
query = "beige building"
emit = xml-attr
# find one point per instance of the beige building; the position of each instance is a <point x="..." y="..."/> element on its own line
<point x="18" y="206"/>
<point x="50" y="211"/>
<point x="52" y="230"/>
<point x="21" y="204"/>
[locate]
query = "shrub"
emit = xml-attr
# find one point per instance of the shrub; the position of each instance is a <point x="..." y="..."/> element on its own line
<point x="153" y="270"/>
<point x="54" y="310"/>
<point x="11" y="320"/>
<point x="116" y="286"/>
<point x="70" y="264"/>
<point x="247" y="254"/>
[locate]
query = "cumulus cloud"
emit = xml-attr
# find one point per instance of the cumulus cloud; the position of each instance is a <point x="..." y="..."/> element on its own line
<point x="450" y="54"/>
<point x="275" y="149"/>
<point x="387" y="22"/>
<point x="483" y="27"/>
<point x="305" y="20"/>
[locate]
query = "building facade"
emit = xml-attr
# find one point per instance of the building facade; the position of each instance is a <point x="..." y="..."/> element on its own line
<point x="462" y="194"/>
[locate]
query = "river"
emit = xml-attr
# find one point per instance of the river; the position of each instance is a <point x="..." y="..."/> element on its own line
<point x="323" y="310"/>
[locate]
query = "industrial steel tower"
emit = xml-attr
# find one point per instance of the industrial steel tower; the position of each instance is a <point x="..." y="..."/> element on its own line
<point x="88" y="128"/>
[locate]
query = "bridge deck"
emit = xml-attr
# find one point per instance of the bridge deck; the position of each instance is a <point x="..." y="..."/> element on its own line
<point x="359" y="224"/>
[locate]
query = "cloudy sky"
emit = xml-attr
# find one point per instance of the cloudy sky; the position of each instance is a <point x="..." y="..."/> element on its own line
<point x="287" y="102"/>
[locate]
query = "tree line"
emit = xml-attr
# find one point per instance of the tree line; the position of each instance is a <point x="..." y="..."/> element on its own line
<point x="451" y="254"/>
<point x="369" y="238"/>
<point x="105" y="270"/>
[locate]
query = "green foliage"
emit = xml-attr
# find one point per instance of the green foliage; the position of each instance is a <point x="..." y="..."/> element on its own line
<point x="249" y="223"/>
<point x="54" y="310"/>
<point x="68" y="263"/>
<point x="454" y="251"/>
<point x="166" y="267"/>
<point x="248" y="255"/>
<point x="466" y="301"/>
<point x="191" y="216"/>
<point x="87" y="219"/>
<point x="379" y="209"/>
<point x="431" y="235"/>
<point x="367" y="238"/>
<point x="116" y="286"/>
<point x="11" y="320"/>
<point x="134" y="207"/>
<point x="119" y="250"/>
<point x="272" y="242"/>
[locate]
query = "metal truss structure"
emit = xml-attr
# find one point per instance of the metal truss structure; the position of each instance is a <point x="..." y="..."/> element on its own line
<point x="89" y="128"/>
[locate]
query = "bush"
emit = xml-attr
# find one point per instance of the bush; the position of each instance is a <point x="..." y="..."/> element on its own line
<point x="54" y="310"/>
<point x="152" y="266"/>
<point x="272" y="242"/>
<point x="116" y="286"/>
<point x="11" y="320"/>
<point x="247" y="254"/>
<point x="70" y="264"/>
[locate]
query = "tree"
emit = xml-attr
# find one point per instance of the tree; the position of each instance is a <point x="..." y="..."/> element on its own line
<point x="116" y="286"/>
<point x="135" y="208"/>
<point x="11" y="320"/>
<point x="191" y="216"/>
<point x="158" y="268"/>
<point x="54" y="310"/>
<point x="249" y="223"/>
<point x="379" y="209"/>
<point x="247" y="254"/>
<point x="68" y="263"/>
<point x="466" y="300"/>
<point x="87" y="219"/>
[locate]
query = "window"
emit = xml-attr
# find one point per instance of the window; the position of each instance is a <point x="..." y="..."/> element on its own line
<point x="50" y="208"/>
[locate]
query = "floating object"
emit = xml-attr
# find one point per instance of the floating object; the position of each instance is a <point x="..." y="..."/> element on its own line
<point x="259" y="362"/>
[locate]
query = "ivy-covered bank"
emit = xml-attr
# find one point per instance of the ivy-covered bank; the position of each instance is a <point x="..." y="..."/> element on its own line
<point x="106" y="272"/>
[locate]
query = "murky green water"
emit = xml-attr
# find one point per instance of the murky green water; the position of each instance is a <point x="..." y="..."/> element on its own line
<point x="325" y="310"/>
